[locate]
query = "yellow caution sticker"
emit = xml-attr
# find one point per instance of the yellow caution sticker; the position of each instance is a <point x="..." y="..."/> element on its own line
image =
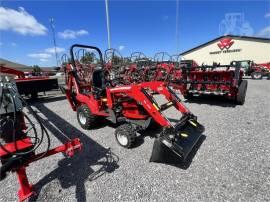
<point x="184" y="135"/>
<point x="192" y="123"/>
<point x="155" y="106"/>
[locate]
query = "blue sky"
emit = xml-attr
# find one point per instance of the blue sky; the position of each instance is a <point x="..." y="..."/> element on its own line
<point x="147" y="26"/>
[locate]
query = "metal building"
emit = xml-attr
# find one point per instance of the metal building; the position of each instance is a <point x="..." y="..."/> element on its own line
<point x="228" y="48"/>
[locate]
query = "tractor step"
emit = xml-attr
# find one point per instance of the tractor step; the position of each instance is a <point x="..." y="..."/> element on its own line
<point x="165" y="106"/>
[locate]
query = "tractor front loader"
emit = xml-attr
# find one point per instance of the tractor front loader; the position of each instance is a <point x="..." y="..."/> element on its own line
<point x="132" y="107"/>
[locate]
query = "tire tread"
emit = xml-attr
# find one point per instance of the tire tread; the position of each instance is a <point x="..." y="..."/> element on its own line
<point x="129" y="131"/>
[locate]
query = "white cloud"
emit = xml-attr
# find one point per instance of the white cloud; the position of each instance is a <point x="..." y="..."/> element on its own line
<point x="46" y="54"/>
<point x="13" y="44"/>
<point x="43" y="60"/>
<point x="72" y="34"/>
<point x="82" y="32"/>
<point x="20" y="21"/>
<point x="40" y="55"/>
<point x="265" y="32"/>
<point x="53" y="50"/>
<point x="267" y="15"/>
<point x="121" y="47"/>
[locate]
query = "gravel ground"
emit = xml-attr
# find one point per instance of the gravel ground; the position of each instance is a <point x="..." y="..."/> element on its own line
<point x="231" y="164"/>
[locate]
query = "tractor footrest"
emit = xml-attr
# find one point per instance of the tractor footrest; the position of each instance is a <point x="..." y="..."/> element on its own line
<point x="166" y="106"/>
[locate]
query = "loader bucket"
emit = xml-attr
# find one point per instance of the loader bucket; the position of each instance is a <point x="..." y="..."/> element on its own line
<point x="175" y="144"/>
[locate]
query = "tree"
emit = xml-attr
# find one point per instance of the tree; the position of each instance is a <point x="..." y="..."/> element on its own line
<point x="89" y="57"/>
<point x="36" y="70"/>
<point x="57" y="68"/>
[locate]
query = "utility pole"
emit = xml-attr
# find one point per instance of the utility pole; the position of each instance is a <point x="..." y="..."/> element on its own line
<point x="108" y="24"/>
<point x="177" y="26"/>
<point x="54" y="40"/>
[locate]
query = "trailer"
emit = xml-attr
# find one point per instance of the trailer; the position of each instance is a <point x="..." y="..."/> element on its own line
<point x="31" y="85"/>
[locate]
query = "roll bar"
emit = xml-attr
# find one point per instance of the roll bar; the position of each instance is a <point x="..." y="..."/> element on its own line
<point x="84" y="46"/>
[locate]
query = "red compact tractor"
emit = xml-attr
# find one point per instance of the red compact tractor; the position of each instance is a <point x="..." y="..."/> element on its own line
<point x="132" y="107"/>
<point x="256" y="71"/>
<point x="222" y="80"/>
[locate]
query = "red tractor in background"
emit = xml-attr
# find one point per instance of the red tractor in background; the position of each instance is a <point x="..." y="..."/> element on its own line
<point x="138" y="68"/>
<point x="256" y="71"/>
<point x="114" y="63"/>
<point x="133" y="107"/>
<point x="164" y="66"/>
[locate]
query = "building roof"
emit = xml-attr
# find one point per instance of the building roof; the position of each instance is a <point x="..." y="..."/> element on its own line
<point x="23" y="68"/>
<point x="14" y="65"/>
<point x="259" y="39"/>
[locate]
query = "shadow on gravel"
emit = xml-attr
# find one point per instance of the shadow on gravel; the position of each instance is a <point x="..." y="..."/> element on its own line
<point x="212" y="100"/>
<point x="46" y="99"/>
<point x="76" y="170"/>
<point x="264" y="78"/>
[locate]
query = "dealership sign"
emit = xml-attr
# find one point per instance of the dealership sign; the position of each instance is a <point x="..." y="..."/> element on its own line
<point x="225" y="45"/>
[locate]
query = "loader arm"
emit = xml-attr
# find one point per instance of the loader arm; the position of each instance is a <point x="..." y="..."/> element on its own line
<point x="140" y="94"/>
<point x="137" y="93"/>
<point x="161" y="88"/>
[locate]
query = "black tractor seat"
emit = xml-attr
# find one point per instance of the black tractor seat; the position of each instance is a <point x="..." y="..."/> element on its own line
<point x="98" y="83"/>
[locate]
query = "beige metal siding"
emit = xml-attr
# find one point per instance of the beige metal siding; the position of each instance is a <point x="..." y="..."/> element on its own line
<point x="257" y="51"/>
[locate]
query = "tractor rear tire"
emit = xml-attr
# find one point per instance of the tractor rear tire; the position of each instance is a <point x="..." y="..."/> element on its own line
<point x="188" y="96"/>
<point x="85" y="118"/>
<point x="125" y="135"/>
<point x="242" y="90"/>
<point x="34" y="95"/>
<point x="256" y="75"/>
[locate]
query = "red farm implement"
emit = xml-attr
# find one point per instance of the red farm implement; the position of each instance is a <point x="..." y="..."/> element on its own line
<point x="30" y="85"/>
<point x="221" y="80"/>
<point x="20" y="138"/>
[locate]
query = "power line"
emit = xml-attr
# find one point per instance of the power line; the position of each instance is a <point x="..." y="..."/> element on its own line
<point x="54" y="40"/>
<point x="177" y="26"/>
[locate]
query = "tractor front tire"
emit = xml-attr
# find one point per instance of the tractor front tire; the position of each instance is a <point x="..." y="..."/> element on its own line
<point x="125" y="135"/>
<point x="85" y="118"/>
<point x="242" y="90"/>
<point x="256" y="75"/>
